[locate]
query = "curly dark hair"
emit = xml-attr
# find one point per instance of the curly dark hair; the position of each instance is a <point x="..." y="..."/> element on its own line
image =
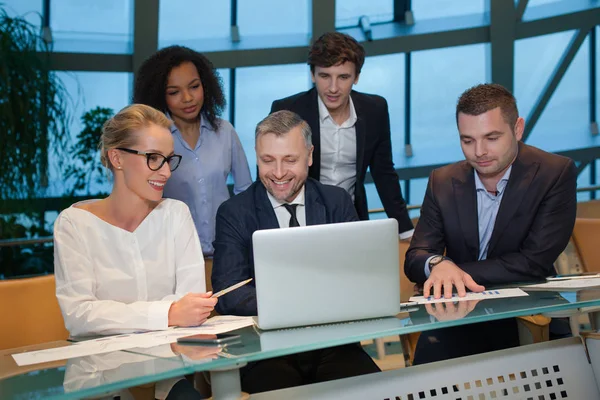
<point x="151" y="81"/>
<point x="334" y="48"/>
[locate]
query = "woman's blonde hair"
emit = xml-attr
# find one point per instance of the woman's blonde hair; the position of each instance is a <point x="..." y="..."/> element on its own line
<point x="119" y="130"/>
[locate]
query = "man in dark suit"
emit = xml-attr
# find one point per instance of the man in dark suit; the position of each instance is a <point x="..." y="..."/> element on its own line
<point x="501" y="216"/>
<point x="283" y="197"/>
<point x="351" y="130"/>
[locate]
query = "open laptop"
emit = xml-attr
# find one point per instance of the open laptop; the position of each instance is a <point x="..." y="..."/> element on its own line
<point x="326" y="273"/>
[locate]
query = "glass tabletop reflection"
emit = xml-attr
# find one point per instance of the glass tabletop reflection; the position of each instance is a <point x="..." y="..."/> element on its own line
<point x="94" y="375"/>
<point x="256" y="344"/>
<point x="110" y="372"/>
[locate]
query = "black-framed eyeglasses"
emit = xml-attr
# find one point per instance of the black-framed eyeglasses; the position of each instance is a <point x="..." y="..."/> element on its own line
<point x="155" y="161"/>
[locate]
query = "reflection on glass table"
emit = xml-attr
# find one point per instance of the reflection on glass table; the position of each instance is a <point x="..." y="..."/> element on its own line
<point x="451" y="311"/>
<point x="196" y="353"/>
<point x="84" y="376"/>
<point x="256" y="344"/>
<point x="111" y="372"/>
<point x="121" y="369"/>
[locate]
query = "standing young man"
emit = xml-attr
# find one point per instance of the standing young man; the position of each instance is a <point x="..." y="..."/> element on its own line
<point x="351" y="130"/>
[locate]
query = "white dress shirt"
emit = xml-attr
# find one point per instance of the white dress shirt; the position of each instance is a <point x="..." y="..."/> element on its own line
<point x="109" y="280"/>
<point x="283" y="215"/>
<point x="338" y="152"/>
<point x="338" y="149"/>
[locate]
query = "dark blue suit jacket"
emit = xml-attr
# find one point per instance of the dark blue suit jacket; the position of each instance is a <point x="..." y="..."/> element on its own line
<point x="240" y="216"/>
<point x="532" y="228"/>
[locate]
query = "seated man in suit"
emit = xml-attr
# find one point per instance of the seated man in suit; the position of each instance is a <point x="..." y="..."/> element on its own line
<point x="351" y="130"/>
<point x="283" y="197"/>
<point x="501" y="216"/>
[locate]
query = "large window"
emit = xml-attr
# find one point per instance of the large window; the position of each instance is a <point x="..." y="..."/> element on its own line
<point x="348" y="12"/>
<point x="430" y="9"/>
<point x="191" y="23"/>
<point x="564" y="123"/>
<point x="417" y="193"/>
<point x="439" y="77"/>
<point x="31" y="10"/>
<point x="583" y="180"/>
<point x="532" y="4"/>
<point x="268" y="17"/>
<point x="531" y="77"/>
<point x="225" y="77"/>
<point x="92" y="27"/>
<point x="384" y="76"/>
<point x="89" y="90"/>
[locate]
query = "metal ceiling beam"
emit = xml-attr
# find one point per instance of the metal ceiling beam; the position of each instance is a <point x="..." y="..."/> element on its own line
<point x="555" y="78"/>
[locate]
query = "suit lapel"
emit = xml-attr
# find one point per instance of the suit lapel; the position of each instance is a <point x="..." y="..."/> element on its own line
<point x="521" y="175"/>
<point x="313" y="206"/>
<point x="312" y="118"/>
<point x="264" y="210"/>
<point x="465" y="198"/>
<point x="361" y="133"/>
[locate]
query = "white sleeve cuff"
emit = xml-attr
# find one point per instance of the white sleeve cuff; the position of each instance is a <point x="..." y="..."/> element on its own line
<point x="406" y="235"/>
<point x="158" y="315"/>
<point x="427" y="270"/>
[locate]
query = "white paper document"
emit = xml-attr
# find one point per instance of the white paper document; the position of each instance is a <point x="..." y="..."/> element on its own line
<point x="485" y="295"/>
<point x="568" y="284"/>
<point x="213" y="326"/>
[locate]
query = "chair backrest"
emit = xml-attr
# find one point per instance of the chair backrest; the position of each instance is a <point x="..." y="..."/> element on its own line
<point x="588" y="209"/>
<point x="30" y="312"/>
<point x="586" y="236"/>
<point x="208" y="263"/>
<point x="406" y="286"/>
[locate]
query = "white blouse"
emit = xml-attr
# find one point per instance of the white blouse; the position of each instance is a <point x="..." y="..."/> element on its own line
<point x="109" y="280"/>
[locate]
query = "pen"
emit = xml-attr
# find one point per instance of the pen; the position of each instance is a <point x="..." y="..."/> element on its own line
<point x="230" y="288"/>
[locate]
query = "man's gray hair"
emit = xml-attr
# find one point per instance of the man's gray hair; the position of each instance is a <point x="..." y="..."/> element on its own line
<point x="282" y="122"/>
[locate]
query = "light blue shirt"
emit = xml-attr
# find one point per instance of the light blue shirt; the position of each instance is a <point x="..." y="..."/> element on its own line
<point x="488" y="205"/>
<point x="200" y="181"/>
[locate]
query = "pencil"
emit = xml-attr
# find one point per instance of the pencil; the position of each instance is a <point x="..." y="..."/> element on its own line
<point x="230" y="288"/>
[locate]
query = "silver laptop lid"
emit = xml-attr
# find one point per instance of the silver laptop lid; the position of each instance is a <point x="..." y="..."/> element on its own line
<point x="326" y="273"/>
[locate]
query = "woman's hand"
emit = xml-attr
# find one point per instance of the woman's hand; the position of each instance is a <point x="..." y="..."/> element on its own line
<point x="192" y="309"/>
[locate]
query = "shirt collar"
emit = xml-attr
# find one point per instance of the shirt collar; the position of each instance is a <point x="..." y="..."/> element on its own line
<point x="499" y="186"/>
<point x="298" y="200"/>
<point x="324" y="112"/>
<point x="203" y="123"/>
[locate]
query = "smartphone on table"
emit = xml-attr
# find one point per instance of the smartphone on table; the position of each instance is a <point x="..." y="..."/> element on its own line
<point x="220" y="338"/>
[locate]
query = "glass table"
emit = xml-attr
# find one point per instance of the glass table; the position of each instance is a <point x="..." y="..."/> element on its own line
<point x="108" y="373"/>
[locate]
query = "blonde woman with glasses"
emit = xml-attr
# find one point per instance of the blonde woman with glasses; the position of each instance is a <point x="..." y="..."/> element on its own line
<point x="132" y="261"/>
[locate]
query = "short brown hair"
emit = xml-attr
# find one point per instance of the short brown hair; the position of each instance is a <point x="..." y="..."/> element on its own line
<point x="488" y="96"/>
<point x="335" y="48"/>
<point x="281" y="123"/>
<point x="119" y="130"/>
